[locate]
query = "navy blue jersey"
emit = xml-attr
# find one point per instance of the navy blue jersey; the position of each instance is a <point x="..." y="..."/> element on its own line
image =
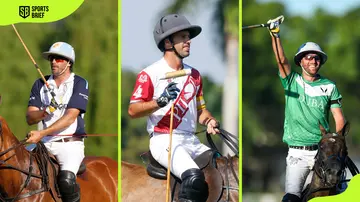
<point x="73" y="93"/>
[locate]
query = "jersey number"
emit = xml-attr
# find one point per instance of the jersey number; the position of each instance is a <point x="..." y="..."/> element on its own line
<point x="138" y="92"/>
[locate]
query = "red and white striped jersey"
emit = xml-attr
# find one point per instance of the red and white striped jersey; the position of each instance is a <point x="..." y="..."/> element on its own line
<point x="190" y="99"/>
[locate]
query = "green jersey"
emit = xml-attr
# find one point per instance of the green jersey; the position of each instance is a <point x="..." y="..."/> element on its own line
<point x="307" y="104"/>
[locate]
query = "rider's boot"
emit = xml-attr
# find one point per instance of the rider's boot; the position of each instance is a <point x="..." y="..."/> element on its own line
<point x="290" y="198"/>
<point x="69" y="189"/>
<point x="193" y="187"/>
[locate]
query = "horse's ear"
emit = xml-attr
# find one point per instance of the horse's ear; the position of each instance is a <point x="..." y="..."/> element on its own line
<point x="322" y="129"/>
<point x="345" y="130"/>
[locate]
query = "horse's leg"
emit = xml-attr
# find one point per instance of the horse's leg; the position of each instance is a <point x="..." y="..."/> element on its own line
<point x="137" y="185"/>
<point x="99" y="182"/>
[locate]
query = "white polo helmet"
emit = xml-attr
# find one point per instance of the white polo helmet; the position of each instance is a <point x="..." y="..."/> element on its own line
<point x="62" y="49"/>
<point x="309" y="47"/>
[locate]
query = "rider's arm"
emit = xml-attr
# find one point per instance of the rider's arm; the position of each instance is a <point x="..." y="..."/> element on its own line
<point x="204" y="116"/>
<point x="338" y="117"/>
<point x="65" y="121"/>
<point x="141" y="109"/>
<point x="141" y="101"/>
<point x="34" y="115"/>
<point x="282" y="61"/>
<point x="336" y="109"/>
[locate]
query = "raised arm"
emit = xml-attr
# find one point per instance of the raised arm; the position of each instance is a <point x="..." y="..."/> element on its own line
<point x="282" y="61"/>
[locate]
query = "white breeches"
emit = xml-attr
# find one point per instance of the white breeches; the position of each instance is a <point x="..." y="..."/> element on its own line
<point x="184" y="148"/>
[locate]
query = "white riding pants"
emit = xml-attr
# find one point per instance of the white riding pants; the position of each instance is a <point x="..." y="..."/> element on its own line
<point x="184" y="148"/>
<point x="298" y="165"/>
<point x="68" y="154"/>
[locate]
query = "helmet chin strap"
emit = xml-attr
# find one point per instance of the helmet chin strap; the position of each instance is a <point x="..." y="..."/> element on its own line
<point x="173" y="49"/>
<point x="307" y="73"/>
<point x="67" y="66"/>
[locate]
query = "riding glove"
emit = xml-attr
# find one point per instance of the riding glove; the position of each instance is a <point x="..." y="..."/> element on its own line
<point x="274" y="26"/>
<point x="170" y="93"/>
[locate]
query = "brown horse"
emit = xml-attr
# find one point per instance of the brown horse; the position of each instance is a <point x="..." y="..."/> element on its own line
<point x="223" y="182"/>
<point x="30" y="176"/>
<point x="329" y="164"/>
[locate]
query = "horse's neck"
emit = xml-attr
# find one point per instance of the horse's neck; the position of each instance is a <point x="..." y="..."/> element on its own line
<point x="12" y="158"/>
<point x="227" y="168"/>
<point x="9" y="142"/>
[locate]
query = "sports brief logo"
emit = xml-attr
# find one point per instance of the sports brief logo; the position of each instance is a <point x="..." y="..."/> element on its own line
<point x="36" y="11"/>
<point x="24" y="11"/>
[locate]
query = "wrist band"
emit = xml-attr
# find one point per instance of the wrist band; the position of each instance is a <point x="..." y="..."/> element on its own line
<point x="207" y="121"/>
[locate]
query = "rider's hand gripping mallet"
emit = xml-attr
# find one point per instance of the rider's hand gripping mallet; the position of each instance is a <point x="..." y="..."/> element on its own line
<point x="280" y="19"/>
<point x="169" y="75"/>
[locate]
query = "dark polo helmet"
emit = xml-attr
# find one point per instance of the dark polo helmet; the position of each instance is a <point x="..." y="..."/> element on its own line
<point x="171" y="24"/>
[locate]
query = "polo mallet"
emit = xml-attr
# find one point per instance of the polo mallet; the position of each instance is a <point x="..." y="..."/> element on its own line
<point x="169" y="75"/>
<point x="179" y="73"/>
<point x="279" y="19"/>
<point x="53" y="101"/>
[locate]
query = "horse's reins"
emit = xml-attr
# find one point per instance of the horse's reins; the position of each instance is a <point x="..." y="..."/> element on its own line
<point x="226" y="137"/>
<point x="4" y="165"/>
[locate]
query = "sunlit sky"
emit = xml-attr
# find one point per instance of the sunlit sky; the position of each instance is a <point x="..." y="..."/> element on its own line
<point x="139" y="18"/>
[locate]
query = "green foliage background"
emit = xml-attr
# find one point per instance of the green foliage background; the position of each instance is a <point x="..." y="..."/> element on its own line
<point x="92" y="31"/>
<point x="263" y="96"/>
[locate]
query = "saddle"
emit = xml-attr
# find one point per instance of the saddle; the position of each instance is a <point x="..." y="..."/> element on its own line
<point x="206" y="162"/>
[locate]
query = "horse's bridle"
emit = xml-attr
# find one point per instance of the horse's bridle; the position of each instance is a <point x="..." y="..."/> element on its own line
<point x="321" y="167"/>
<point x="4" y="165"/>
<point x="226" y="186"/>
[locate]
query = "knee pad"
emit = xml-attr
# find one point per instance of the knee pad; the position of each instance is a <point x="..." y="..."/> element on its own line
<point x="193" y="186"/>
<point x="290" y="198"/>
<point x="69" y="189"/>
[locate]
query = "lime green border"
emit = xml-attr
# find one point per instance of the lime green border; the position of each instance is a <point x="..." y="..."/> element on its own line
<point x="240" y="99"/>
<point x="119" y="100"/>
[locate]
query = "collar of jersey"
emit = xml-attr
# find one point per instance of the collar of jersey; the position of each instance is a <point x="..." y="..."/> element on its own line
<point x="169" y="69"/>
<point x="70" y="79"/>
<point x="312" y="82"/>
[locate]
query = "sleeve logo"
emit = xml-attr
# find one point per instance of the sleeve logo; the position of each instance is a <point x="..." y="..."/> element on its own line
<point x="142" y="78"/>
